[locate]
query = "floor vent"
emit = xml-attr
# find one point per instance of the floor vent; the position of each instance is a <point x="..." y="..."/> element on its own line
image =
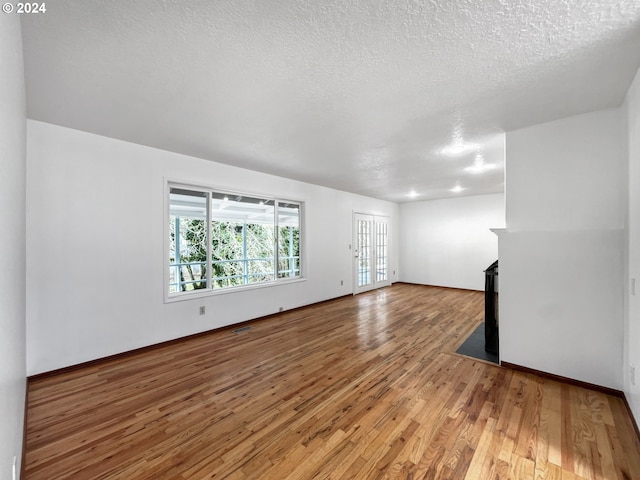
<point x="241" y="329"/>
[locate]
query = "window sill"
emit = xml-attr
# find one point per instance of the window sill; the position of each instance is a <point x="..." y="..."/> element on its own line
<point x="180" y="297"/>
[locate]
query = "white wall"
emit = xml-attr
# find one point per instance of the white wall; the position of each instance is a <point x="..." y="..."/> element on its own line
<point x="562" y="254"/>
<point x="95" y="231"/>
<point x="12" y="244"/>
<point x="632" y="331"/>
<point x="448" y="242"/>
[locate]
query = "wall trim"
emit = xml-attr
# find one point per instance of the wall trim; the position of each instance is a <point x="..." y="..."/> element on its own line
<point x="440" y="286"/>
<point x="560" y="378"/>
<point x="23" y="460"/>
<point x="633" y="419"/>
<point x="135" y="351"/>
<point x="579" y="383"/>
<point x="511" y="366"/>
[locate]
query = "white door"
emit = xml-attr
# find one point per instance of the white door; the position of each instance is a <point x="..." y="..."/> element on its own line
<point x="371" y="252"/>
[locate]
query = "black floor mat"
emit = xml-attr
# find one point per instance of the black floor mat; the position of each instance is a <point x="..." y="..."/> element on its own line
<point x="474" y="346"/>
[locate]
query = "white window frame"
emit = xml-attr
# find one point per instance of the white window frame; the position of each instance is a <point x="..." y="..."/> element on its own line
<point x="207" y="292"/>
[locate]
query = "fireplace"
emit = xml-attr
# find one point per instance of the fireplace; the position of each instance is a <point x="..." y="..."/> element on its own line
<point x="491" y="309"/>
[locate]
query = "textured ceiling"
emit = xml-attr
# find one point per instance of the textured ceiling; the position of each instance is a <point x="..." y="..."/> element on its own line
<point x="358" y="95"/>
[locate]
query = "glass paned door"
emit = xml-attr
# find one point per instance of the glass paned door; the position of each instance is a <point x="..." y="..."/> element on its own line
<point x="382" y="238"/>
<point x="371" y="247"/>
<point x="364" y="257"/>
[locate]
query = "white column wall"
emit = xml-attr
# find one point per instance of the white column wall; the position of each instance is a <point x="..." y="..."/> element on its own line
<point x="562" y="254"/>
<point x="448" y="242"/>
<point x="95" y="233"/>
<point x="12" y="244"/>
<point x="632" y="333"/>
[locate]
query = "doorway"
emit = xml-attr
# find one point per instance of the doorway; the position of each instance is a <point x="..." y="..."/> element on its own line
<point x="371" y="252"/>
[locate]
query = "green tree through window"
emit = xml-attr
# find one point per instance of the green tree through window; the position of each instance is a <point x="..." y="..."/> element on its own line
<point x="243" y="248"/>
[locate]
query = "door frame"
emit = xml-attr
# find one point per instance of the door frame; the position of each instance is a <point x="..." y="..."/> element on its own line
<point x="375" y="221"/>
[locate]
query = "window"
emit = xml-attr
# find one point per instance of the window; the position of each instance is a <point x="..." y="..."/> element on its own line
<point x="221" y="240"/>
<point x="288" y="240"/>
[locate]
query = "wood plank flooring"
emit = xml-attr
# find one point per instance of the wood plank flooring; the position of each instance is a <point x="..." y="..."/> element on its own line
<point x="364" y="387"/>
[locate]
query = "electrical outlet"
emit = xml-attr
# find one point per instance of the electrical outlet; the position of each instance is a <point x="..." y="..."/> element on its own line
<point x="280" y="309"/>
<point x="202" y="310"/>
<point x="341" y="282"/>
<point x="632" y="373"/>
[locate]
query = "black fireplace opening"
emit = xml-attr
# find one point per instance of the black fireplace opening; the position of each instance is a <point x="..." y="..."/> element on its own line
<point x="491" y="337"/>
<point x="483" y="342"/>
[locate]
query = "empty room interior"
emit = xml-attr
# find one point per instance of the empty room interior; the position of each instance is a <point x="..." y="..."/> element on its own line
<point x="252" y="240"/>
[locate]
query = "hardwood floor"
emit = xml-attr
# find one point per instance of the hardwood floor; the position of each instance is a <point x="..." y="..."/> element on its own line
<point x="364" y="387"/>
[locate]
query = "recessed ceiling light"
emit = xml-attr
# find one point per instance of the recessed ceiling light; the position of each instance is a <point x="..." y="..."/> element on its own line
<point x="479" y="165"/>
<point x="412" y="194"/>
<point x="458" y="148"/>
<point x="457" y="189"/>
